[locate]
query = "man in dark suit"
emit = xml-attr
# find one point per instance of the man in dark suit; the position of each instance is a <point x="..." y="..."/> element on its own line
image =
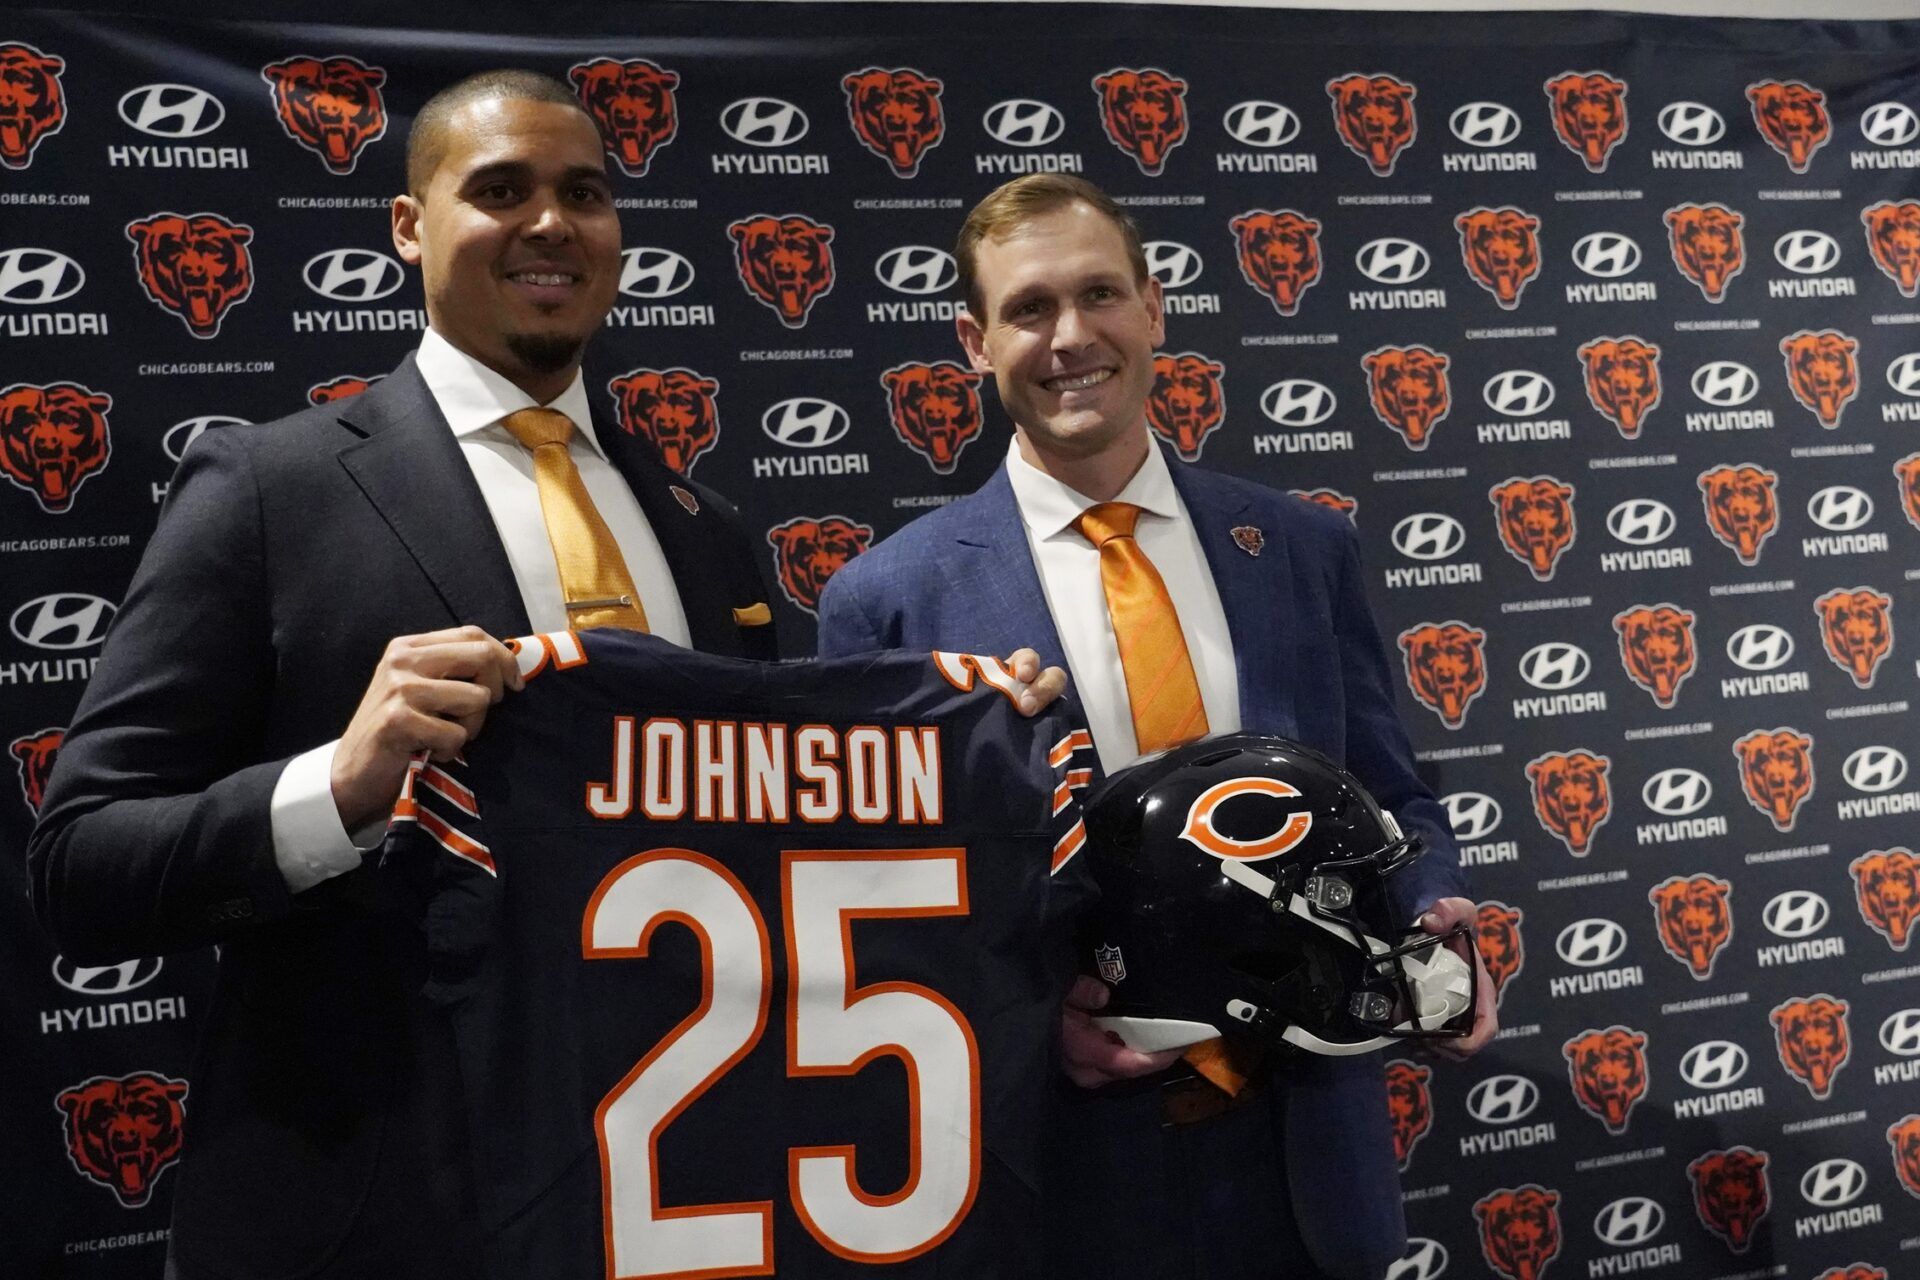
<point x="1297" y="1181"/>
<point x="231" y="759"/>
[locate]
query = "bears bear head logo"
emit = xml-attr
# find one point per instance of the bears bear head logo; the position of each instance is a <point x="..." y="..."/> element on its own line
<point x="1519" y="1230"/>
<point x="1792" y="117"/>
<point x="1656" y="648"/>
<point x="195" y="265"/>
<point x="808" y="552"/>
<point x="330" y="106"/>
<point x="1694" y="920"/>
<point x="1496" y="932"/>
<point x="32" y="104"/>
<point x="1623" y="380"/>
<point x="1571" y="797"/>
<point x="1776" y="771"/>
<point x="52" y="437"/>
<point x="1501" y="249"/>
<point x="1446" y="667"/>
<point x="1279" y="254"/>
<point x="1903" y="1135"/>
<point x="1811" y="1035"/>
<point x="1706" y="244"/>
<point x="935" y="410"/>
<point x="1731" y="1195"/>
<point x="1821" y="372"/>
<point x="671" y="407"/>
<point x="1887" y="887"/>
<point x="1589" y="114"/>
<point x="1332" y="499"/>
<point x="1893" y="237"/>
<point x="1535" y="515"/>
<point x="35" y="753"/>
<point x="1740" y="507"/>
<point x="123" y="1133"/>
<point x="1408" y="389"/>
<point x="785" y="262"/>
<point x="632" y="102"/>
<point x="1857" y="625"/>
<point x="1375" y="117"/>
<point x="1186" y="403"/>
<point x="1144" y="111"/>
<point x="1608" y="1072"/>
<point x="1409" y="1106"/>
<point x="896" y="115"/>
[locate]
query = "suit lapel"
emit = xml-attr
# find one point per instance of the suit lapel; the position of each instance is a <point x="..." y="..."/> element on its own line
<point x="1254" y="591"/>
<point x="406" y="461"/>
<point x="994" y="551"/>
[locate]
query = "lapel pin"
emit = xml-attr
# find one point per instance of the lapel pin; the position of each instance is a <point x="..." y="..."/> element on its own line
<point x="685" y="499"/>
<point x="1250" y="539"/>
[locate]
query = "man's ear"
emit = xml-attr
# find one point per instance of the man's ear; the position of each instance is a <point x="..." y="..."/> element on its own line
<point x="406" y="229"/>
<point x="973" y="339"/>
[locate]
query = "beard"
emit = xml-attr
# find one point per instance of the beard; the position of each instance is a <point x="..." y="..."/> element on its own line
<point x="545" y="352"/>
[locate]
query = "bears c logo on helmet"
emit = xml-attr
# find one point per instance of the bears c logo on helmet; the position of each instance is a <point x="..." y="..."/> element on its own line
<point x="1519" y="1230"/>
<point x="1496" y="932"/>
<point x="1608" y="1072"/>
<point x="1887" y="885"/>
<point x="1535" y="515"/>
<point x="1144" y="112"/>
<point x="1776" y="771"/>
<point x="1623" y="380"/>
<point x="1656" y="648"/>
<point x="1706" y="245"/>
<point x="36" y="753"/>
<point x="196" y="265"/>
<point x="632" y="103"/>
<point x="1893" y="237"/>
<point x="330" y="106"/>
<point x="896" y="115"/>
<point x="1407" y="387"/>
<point x="1501" y="250"/>
<point x="673" y="408"/>
<point x="344" y="387"/>
<point x="1446" y="669"/>
<point x="1792" y="117"/>
<point x="1740" y="507"/>
<point x="809" y="551"/>
<point x="1279" y="255"/>
<point x="1811" y="1034"/>
<point x="1186" y="403"/>
<point x="1694" y="920"/>
<point x="1730" y="1194"/>
<point x="1409" y="1107"/>
<point x="1375" y="117"/>
<point x="785" y="262"/>
<point x="1571" y="797"/>
<point x="32" y="105"/>
<point x="52" y="437"/>
<point x="1589" y="114"/>
<point x="1202" y="828"/>
<point x="935" y="410"/>
<point x="1821" y="372"/>
<point x="124" y="1133"/>
<point x="1857" y="626"/>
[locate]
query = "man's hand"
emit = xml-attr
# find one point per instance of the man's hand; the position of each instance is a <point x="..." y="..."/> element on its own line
<point x="1450" y="913"/>
<point x="429" y="693"/>
<point x="1092" y="1057"/>
<point x="1043" y="687"/>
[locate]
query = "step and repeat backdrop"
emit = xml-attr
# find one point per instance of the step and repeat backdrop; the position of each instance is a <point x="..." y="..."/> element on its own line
<point x="1602" y="331"/>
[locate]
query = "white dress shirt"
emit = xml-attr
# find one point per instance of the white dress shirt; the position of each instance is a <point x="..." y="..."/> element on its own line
<point x="1069" y="568"/>
<point x="309" y="844"/>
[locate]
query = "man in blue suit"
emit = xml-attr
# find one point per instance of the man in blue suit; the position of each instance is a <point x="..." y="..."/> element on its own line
<point x="1156" y="1174"/>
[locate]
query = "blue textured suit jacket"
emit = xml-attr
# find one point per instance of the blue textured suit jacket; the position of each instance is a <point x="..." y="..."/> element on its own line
<point x="1312" y="667"/>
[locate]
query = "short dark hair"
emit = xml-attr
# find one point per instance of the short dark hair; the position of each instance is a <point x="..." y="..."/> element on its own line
<point x="1023" y="200"/>
<point x="427" y="140"/>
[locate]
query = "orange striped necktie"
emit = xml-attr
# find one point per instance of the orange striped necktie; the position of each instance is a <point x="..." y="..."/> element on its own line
<point x="1162" y="690"/>
<point x="594" y="581"/>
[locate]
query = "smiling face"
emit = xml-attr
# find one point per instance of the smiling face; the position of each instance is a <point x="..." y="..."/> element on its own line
<point x="516" y="238"/>
<point x="1068" y="333"/>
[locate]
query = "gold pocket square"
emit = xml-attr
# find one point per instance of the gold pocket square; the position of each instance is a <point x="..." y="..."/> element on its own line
<point x="754" y="615"/>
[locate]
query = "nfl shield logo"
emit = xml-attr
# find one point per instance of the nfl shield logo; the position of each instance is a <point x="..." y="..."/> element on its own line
<point x="1251" y="540"/>
<point x="1112" y="968"/>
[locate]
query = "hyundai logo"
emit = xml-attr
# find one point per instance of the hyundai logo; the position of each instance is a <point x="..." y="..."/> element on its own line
<point x="171" y="110"/>
<point x="1797" y="913"/>
<point x="1875" y="769"/>
<point x="1472" y="815"/>
<point x="1591" y="943"/>
<point x="1424" y="1259"/>
<point x="1675" y="793"/>
<point x="36" y="277"/>
<point x="1903" y="374"/>
<point x="1555" y="665"/>
<point x="1518" y="393"/>
<point x="1833" y="1183"/>
<point x="1023" y="122"/>
<point x="1890" y="124"/>
<point x="1725" y="384"/>
<point x="63" y="620"/>
<point x="1173" y="264"/>
<point x="1428" y="535"/>
<point x="1298" y="402"/>
<point x="1606" y="255"/>
<point x="1629" y="1221"/>
<point x="654" y="273"/>
<point x="105" y="979"/>
<point x="1717" y="1064"/>
<point x="1389" y="260"/>
<point x="182" y="434"/>
<point x="1485" y="124"/>
<point x="1692" y="124"/>
<point x="353" y="275"/>
<point x="804" y="422"/>
<point x="764" y="122"/>
<point x="1807" y="253"/>
<point x="1502" y="1099"/>
<point x="1641" y="522"/>
<point x="1760" y="646"/>
<point x="917" y="269"/>
<point x="1839" y="508"/>
<point x="1900" y="1033"/>
<point x="1262" y="124"/>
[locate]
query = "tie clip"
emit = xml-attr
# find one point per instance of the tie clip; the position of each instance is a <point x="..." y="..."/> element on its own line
<point x="613" y="602"/>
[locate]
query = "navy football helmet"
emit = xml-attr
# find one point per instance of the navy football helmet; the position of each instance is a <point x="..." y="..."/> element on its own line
<point x="1244" y="892"/>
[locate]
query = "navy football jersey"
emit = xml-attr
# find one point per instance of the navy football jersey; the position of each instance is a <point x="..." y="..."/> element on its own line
<point x="752" y="969"/>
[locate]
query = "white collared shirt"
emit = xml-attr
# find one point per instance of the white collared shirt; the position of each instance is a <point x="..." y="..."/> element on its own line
<point x="1069" y="569"/>
<point x="309" y="844"/>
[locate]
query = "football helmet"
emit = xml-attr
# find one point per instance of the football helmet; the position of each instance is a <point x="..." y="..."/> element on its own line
<point x="1243" y="892"/>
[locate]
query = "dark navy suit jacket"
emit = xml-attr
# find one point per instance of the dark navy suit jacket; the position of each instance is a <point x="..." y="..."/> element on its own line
<point x="1312" y="667"/>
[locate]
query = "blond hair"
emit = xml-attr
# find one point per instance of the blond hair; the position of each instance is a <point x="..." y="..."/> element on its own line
<point x="1014" y="203"/>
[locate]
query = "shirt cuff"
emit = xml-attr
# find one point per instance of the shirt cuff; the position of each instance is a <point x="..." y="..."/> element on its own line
<point x="309" y="843"/>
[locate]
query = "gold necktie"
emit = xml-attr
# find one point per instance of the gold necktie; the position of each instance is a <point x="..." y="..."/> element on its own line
<point x="1162" y="690"/>
<point x="594" y="581"/>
